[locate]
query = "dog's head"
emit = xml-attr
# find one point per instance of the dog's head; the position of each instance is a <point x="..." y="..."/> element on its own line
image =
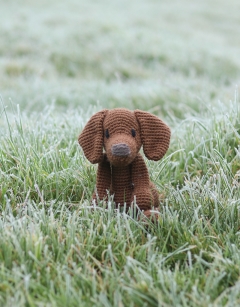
<point x="122" y="133"/>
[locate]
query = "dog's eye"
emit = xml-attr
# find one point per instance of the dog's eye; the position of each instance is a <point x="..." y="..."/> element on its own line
<point x="133" y="133"/>
<point x="107" y="133"/>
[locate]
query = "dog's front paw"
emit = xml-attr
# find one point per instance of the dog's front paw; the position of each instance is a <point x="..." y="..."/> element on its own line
<point x="152" y="215"/>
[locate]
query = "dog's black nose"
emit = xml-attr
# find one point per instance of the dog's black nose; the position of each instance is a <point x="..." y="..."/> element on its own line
<point x="120" y="150"/>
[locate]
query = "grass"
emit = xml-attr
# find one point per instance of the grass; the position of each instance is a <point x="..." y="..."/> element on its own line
<point x="59" y="64"/>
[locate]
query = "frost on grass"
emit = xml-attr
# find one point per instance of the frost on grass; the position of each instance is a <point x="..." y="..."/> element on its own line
<point x="52" y="235"/>
<point x="61" y="65"/>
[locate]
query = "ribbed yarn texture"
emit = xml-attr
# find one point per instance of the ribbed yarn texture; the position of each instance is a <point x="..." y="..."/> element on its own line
<point x="113" y="138"/>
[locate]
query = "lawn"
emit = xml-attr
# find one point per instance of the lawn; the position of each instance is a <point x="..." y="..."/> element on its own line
<point x="62" y="61"/>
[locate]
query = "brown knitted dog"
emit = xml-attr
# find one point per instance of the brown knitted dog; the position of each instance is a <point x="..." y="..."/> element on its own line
<point x="121" y="169"/>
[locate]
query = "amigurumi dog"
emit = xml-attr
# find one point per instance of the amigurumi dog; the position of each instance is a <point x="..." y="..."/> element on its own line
<point x="121" y="169"/>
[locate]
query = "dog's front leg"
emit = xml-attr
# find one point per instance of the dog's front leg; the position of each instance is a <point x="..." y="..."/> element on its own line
<point x="103" y="179"/>
<point x="144" y="191"/>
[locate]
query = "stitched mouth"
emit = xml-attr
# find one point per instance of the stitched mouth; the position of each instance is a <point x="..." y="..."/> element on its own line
<point x="120" y="150"/>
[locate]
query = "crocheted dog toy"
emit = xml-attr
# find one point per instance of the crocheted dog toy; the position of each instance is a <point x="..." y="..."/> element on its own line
<point x="121" y="169"/>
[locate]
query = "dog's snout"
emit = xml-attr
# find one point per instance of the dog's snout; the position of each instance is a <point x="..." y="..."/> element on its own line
<point x="120" y="150"/>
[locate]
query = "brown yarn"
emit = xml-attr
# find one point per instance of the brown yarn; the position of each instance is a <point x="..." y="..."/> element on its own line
<point x="121" y="169"/>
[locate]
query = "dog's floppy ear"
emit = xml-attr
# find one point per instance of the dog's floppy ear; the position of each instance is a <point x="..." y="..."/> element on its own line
<point x="91" y="138"/>
<point x="155" y="135"/>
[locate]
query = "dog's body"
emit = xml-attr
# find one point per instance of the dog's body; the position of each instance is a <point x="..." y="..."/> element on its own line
<point x="127" y="182"/>
<point x="121" y="169"/>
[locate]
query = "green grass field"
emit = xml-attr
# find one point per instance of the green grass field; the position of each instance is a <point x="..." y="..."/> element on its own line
<point x="60" y="62"/>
